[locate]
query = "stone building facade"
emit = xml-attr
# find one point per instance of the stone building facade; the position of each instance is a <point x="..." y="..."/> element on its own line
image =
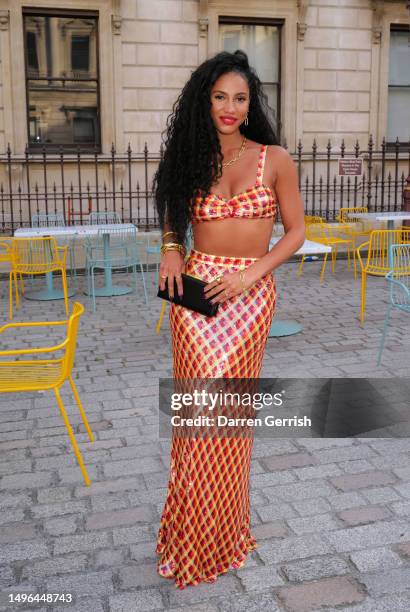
<point x="100" y="77"/>
<point x="333" y="62"/>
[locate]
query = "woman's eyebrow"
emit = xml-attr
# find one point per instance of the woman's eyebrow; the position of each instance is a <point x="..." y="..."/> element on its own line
<point x="240" y="93"/>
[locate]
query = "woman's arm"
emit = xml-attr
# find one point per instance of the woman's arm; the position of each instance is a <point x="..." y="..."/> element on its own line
<point x="292" y="214"/>
<point x="172" y="265"/>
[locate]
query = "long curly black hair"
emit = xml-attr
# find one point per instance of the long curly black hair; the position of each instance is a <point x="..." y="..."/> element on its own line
<point x="192" y="158"/>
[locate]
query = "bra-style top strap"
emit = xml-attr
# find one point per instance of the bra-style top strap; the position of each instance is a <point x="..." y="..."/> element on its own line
<point x="261" y="164"/>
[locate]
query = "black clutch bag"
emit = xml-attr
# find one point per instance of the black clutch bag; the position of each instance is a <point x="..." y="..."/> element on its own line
<point x="193" y="296"/>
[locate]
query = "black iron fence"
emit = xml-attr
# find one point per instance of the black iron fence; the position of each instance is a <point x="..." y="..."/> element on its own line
<point x="75" y="185"/>
<point x="379" y="187"/>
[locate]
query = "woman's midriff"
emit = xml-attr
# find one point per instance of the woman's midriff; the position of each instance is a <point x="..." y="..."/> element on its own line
<point x="233" y="237"/>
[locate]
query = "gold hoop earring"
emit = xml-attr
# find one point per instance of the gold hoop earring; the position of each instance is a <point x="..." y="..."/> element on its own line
<point x="246" y="119"/>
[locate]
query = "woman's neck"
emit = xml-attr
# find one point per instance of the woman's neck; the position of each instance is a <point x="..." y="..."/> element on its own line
<point x="230" y="142"/>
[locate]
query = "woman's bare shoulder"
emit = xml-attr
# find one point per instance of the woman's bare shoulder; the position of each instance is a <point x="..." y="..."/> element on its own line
<point x="276" y="152"/>
<point x="277" y="160"/>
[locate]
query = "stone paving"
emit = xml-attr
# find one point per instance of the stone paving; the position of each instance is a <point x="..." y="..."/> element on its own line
<point x="331" y="516"/>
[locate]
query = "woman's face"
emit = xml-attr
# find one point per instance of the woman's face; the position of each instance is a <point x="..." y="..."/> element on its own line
<point x="229" y="102"/>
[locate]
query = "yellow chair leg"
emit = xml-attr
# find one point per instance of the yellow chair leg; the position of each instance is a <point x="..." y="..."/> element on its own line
<point x="11" y="295"/>
<point x="334" y="254"/>
<point x="302" y="261"/>
<point x="72" y="438"/>
<point x="363" y="301"/>
<point x="322" y="274"/>
<point x="22" y="284"/>
<point x="81" y="409"/>
<point x="161" y="316"/>
<point x="65" y="290"/>
<point x="16" y="287"/>
<point x="354" y="264"/>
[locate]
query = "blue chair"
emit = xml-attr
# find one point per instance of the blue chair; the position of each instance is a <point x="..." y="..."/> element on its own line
<point x="47" y="220"/>
<point x="153" y="247"/>
<point x="121" y="253"/>
<point x="399" y="279"/>
<point x="104" y="218"/>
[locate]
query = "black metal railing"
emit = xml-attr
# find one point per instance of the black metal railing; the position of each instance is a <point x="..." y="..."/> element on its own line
<point x="83" y="182"/>
<point x="379" y="187"/>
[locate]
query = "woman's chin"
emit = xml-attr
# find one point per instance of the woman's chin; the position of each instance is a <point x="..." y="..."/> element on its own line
<point x="227" y="130"/>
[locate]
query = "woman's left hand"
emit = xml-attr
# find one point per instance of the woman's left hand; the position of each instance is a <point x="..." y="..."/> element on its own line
<point x="226" y="286"/>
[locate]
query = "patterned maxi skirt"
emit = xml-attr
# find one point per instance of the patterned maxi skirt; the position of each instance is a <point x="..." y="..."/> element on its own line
<point x="205" y="525"/>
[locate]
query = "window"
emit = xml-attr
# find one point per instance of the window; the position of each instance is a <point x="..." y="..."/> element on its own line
<point x="84" y="126"/>
<point x="260" y="39"/>
<point x="80" y="53"/>
<point x="32" y="59"/>
<point x="398" y="120"/>
<point x="62" y="80"/>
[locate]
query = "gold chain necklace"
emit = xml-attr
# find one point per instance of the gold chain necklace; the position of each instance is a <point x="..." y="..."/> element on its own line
<point x="234" y="159"/>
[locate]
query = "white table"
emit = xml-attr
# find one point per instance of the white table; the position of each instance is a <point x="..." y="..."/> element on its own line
<point x="77" y="231"/>
<point x="390" y="217"/>
<point x="282" y="327"/>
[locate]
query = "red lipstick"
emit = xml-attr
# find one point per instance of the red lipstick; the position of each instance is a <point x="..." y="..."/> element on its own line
<point x="228" y="120"/>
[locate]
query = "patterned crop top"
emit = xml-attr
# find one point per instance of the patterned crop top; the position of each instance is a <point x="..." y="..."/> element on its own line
<point x="257" y="202"/>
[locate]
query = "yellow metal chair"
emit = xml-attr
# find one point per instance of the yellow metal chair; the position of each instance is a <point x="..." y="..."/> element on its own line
<point x="313" y="219"/>
<point x="355" y="227"/>
<point x="318" y="231"/>
<point x="5" y="248"/>
<point x="161" y="316"/>
<point x="377" y="262"/>
<point x="6" y="256"/>
<point x="32" y="256"/>
<point x="39" y="374"/>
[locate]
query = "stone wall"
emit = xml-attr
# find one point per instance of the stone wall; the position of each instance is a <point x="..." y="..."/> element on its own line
<point x="159" y="52"/>
<point x="334" y="65"/>
<point x="337" y="75"/>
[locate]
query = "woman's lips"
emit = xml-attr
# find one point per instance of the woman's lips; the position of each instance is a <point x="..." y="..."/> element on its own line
<point x="228" y="120"/>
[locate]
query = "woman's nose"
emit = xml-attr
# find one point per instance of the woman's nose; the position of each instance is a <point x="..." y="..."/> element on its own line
<point x="230" y="106"/>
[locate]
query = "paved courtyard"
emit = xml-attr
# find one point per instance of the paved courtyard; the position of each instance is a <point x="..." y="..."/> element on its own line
<point x="331" y="516"/>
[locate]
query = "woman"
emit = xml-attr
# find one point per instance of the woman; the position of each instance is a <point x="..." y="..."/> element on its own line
<point x="224" y="173"/>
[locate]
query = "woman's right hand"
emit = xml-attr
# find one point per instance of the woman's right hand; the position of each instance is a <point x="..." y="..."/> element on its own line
<point x="171" y="267"/>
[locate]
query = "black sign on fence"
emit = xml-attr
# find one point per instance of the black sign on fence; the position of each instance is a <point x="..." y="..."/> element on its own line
<point x="350" y="166"/>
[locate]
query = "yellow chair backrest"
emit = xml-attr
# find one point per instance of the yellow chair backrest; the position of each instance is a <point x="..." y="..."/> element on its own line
<point x="5" y="250"/>
<point x="378" y="251"/>
<point x="346" y="215"/>
<point x="312" y="219"/>
<point x="34" y="254"/>
<point x="72" y="330"/>
<point x="317" y="232"/>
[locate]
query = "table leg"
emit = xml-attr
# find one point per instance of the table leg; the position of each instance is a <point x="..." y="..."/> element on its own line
<point x="107" y="269"/>
<point x="390" y="226"/>
<point x="109" y="289"/>
<point x="49" y="293"/>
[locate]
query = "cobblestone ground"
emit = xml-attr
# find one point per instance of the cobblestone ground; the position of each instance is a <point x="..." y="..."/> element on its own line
<point x="331" y="516"/>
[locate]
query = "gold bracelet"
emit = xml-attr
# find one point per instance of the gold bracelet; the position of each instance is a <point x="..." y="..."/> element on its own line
<point x="180" y="251"/>
<point x="241" y="275"/>
<point x="173" y="246"/>
<point x="168" y="234"/>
